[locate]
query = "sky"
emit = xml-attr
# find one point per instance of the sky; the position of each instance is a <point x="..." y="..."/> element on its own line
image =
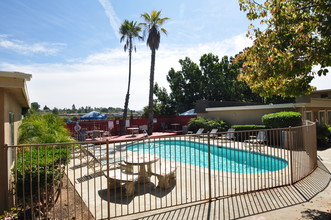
<point x="73" y="50"/>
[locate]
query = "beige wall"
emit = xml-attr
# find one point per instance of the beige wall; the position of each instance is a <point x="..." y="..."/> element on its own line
<point x="8" y="104"/>
<point x="241" y="117"/>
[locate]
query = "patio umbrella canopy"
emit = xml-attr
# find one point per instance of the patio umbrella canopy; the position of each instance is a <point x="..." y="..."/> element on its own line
<point x="93" y="115"/>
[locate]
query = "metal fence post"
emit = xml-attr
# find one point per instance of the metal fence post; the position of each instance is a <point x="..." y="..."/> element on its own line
<point x="290" y="145"/>
<point x="209" y="167"/>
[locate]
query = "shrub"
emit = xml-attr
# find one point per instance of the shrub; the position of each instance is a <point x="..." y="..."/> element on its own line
<point x="323" y="135"/>
<point x="41" y="168"/>
<point x="282" y="119"/>
<point x="245" y="135"/>
<point x="196" y="123"/>
<point x="248" y="127"/>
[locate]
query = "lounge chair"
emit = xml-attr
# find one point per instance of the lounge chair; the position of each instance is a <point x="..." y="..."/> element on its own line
<point x="200" y="131"/>
<point x="213" y="133"/>
<point x="229" y="135"/>
<point x="260" y="139"/>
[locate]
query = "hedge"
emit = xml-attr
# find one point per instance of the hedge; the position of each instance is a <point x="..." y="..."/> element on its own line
<point x="282" y="119"/>
<point x="248" y="127"/>
<point x="196" y="123"/>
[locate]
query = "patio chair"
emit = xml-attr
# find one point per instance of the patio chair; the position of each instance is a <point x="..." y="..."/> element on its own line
<point x="143" y="128"/>
<point x="229" y="135"/>
<point x="260" y="139"/>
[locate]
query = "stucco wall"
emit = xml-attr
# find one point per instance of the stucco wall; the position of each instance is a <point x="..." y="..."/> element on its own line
<point x="241" y="116"/>
<point x="9" y="104"/>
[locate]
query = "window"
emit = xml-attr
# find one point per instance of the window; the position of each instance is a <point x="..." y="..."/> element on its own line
<point x="329" y="118"/>
<point x="321" y="117"/>
<point x="308" y="116"/>
<point x="324" y="96"/>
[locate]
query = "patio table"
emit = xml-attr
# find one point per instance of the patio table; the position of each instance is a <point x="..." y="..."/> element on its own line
<point x="141" y="160"/>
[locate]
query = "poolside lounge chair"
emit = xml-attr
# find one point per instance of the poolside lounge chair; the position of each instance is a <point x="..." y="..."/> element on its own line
<point x="213" y="133"/>
<point x="200" y="131"/>
<point x="261" y="138"/>
<point x="229" y="135"/>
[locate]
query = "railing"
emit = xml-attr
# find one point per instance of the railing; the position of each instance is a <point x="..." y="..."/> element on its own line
<point x="107" y="179"/>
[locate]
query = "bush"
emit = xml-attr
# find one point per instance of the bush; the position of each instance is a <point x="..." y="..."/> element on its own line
<point x="248" y="127"/>
<point x="196" y="123"/>
<point x="41" y="168"/>
<point x="323" y="135"/>
<point x="245" y="135"/>
<point x="282" y="119"/>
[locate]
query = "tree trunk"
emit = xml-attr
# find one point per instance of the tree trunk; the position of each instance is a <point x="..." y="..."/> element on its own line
<point x="126" y="103"/>
<point x="151" y="89"/>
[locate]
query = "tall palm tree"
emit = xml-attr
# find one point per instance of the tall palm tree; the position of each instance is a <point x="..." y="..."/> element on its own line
<point x="128" y="30"/>
<point x="152" y="27"/>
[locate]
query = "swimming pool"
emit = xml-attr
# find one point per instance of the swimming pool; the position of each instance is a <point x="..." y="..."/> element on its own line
<point x="222" y="158"/>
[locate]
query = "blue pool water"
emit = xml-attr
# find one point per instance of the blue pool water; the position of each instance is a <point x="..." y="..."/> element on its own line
<point x="222" y="158"/>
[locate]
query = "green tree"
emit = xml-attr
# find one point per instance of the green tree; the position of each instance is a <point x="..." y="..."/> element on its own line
<point x="215" y="79"/>
<point x="186" y="85"/>
<point x="152" y="25"/>
<point x="35" y="106"/>
<point x="297" y="36"/>
<point x="129" y="30"/>
<point x="55" y="111"/>
<point x="163" y="103"/>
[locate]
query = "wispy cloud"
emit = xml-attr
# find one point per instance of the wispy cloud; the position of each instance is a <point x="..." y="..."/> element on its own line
<point x="106" y="73"/>
<point x="25" y="48"/>
<point x="111" y="14"/>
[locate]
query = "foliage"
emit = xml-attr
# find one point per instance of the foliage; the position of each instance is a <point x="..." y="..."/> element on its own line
<point x="12" y="214"/>
<point x="247" y="127"/>
<point x="323" y="135"/>
<point x="35" y="106"/>
<point x="40" y="128"/>
<point x="196" y="123"/>
<point x="297" y="36"/>
<point x="40" y="168"/>
<point x="129" y="30"/>
<point x="152" y="25"/>
<point x="213" y="79"/>
<point x="282" y="119"/>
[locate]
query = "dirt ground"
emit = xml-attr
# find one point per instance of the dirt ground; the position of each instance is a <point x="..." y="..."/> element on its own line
<point x="63" y="210"/>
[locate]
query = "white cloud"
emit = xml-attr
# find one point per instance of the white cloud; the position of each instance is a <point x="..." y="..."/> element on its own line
<point x="26" y="48"/>
<point x="111" y="14"/>
<point x="100" y="80"/>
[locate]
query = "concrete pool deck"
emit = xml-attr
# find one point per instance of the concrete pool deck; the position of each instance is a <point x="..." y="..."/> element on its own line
<point x="290" y="202"/>
<point x="307" y="199"/>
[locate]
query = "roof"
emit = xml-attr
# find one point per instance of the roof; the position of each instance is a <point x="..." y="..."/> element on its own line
<point x="14" y="83"/>
<point x="16" y="75"/>
<point x="256" y="107"/>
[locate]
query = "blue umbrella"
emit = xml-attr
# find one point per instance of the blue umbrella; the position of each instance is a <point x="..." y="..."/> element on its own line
<point x="93" y="115"/>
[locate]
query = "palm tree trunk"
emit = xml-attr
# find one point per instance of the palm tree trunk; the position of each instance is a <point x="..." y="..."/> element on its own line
<point x="151" y="90"/>
<point x="126" y="103"/>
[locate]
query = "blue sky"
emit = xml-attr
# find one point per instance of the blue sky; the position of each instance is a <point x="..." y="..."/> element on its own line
<point x="73" y="52"/>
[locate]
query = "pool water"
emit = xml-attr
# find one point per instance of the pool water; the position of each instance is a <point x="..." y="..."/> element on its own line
<point x="222" y="158"/>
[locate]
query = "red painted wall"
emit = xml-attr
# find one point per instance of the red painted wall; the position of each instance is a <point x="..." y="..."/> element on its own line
<point x="162" y="124"/>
